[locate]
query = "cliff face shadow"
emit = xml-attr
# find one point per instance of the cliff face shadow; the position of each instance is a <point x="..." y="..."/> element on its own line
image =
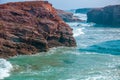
<point x="108" y="47"/>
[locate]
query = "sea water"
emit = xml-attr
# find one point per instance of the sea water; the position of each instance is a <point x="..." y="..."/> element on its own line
<point x="96" y="57"/>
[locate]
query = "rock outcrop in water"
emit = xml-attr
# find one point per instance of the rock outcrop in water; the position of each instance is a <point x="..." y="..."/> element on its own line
<point x="109" y="15"/>
<point x="83" y="10"/>
<point x="67" y="16"/>
<point x="31" y="27"/>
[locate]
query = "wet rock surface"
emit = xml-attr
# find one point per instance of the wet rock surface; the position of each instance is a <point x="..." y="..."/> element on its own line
<point x="30" y="27"/>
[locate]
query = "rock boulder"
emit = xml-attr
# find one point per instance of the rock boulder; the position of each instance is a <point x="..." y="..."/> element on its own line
<point x="109" y="15"/>
<point x="67" y="16"/>
<point x="31" y="27"/>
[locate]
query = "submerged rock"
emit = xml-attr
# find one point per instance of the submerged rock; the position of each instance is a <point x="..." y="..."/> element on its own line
<point x="31" y="27"/>
<point x="67" y="16"/>
<point x="109" y="15"/>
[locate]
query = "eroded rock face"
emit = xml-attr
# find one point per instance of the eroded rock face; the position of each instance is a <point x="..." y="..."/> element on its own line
<point x="109" y="15"/>
<point x="83" y="10"/>
<point x="31" y="27"/>
<point x="67" y="16"/>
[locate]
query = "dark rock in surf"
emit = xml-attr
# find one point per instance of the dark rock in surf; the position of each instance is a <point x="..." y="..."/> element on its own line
<point x="109" y="15"/>
<point x="67" y="16"/>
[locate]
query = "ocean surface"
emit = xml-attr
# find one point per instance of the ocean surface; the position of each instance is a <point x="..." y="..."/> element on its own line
<point x="96" y="57"/>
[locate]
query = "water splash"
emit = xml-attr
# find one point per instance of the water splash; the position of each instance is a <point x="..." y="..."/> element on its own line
<point x="77" y="32"/>
<point x="5" y="68"/>
<point x="81" y="16"/>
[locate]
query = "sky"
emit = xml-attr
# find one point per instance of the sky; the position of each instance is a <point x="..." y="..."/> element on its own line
<point x="74" y="4"/>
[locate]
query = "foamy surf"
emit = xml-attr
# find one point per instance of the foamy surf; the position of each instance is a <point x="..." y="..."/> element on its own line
<point x="77" y="32"/>
<point x="81" y="16"/>
<point x="86" y="24"/>
<point x="5" y="68"/>
<point x="73" y="24"/>
<point x="96" y="78"/>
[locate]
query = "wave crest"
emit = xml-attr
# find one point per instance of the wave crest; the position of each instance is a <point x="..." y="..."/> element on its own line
<point x="5" y="68"/>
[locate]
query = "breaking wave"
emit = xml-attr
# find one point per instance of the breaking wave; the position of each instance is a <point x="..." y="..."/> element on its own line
<point x="5" y="68"/>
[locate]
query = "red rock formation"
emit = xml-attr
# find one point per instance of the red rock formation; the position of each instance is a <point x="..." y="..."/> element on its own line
<point x="31" y="27"/>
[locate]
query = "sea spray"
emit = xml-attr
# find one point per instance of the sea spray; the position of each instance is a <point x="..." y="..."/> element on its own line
<point x="81" y="16"/>
<point x="78" y="32"/>
<point x="5" y="68"/>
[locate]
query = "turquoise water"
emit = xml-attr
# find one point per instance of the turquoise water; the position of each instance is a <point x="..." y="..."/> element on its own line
<point x="96" y="57"/>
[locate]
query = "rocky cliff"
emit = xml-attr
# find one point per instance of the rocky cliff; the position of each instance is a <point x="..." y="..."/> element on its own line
<point x="67" y="16"/>
<point x="83" y="10"/>
<point x="31" y="27"/>
<point x="109" y="15"/>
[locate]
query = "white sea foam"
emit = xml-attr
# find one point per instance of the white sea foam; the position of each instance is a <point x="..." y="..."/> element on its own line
<point x="87" y="24"/>
<point x="71" y="79"/>
<point x="73" y="23"/>
<point x="5" y="68"/>
<point x="81" y="16"/>
<point x="96" y="78"/>
<point x="77" y="32"/>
